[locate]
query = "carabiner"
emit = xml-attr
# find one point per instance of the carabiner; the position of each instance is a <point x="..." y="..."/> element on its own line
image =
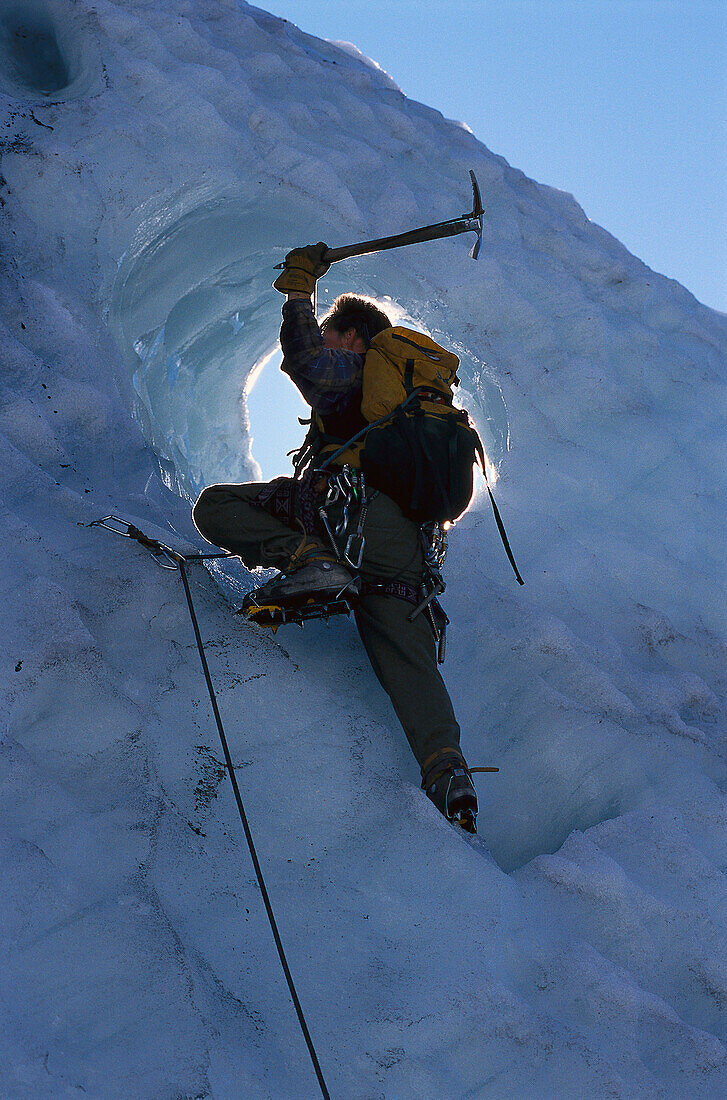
<point x="355" y="564"/>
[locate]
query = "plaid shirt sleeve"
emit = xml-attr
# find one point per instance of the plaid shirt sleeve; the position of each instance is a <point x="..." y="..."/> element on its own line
<point x="330" y="381"/>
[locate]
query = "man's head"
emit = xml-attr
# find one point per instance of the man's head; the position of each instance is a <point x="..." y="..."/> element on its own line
<point x="352" y="323"/>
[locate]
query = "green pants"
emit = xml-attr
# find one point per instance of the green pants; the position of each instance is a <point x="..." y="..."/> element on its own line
<point x="402" y="653"/>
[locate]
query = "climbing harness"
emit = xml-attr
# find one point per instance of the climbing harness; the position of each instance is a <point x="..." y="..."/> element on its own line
<point x="167" y="558"/>
<point x="345" y="488"/>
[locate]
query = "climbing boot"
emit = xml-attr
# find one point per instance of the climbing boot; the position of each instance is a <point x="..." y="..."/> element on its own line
<point x="319" y="579"/>
<point x="311" y="573"/>
<point x="448" y="783"/>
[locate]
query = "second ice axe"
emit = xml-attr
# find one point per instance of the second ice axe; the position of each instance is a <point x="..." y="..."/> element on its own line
<point x="467" y="223"/>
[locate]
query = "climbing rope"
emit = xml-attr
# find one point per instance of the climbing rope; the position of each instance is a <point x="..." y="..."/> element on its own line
<point x="167" y="558"/>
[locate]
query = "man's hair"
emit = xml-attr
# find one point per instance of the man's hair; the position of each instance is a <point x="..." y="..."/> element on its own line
<point x="351" y="312"/>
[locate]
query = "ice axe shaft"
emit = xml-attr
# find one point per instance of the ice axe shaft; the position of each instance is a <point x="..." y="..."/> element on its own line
<point x="467" y="223"/>
<point x="401" y="240"/>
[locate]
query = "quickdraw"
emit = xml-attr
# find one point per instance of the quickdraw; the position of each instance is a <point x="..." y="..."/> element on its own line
<point x="163" y="556"/>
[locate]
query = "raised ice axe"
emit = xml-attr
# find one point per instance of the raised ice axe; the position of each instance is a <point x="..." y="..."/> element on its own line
<point x="467" y="223"/>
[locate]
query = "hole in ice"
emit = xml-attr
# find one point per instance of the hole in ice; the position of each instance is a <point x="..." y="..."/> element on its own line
<point x="43" y="52"/>
<point x="275" y="409"/>
<point x="542" y="826"/>
<point x="194" y="313"/>
<point x="32" y="54"/>
<point x="562" y="770"/>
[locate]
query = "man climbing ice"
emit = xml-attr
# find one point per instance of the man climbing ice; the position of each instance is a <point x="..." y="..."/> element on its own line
<point x="336" y="535"/>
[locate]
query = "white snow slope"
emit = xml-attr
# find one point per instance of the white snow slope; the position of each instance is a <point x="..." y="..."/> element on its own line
<point x="158" y="157"/>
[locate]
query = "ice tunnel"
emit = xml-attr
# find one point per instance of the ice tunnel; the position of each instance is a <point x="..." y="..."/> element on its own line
<point x="194" y="313"/>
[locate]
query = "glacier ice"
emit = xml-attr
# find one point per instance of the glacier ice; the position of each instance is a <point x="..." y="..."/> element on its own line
<point x="157" y="161"/>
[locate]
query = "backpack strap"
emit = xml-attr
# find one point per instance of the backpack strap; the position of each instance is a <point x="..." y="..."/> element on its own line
<point x="374" y="424"/>
<point x="314" y="442"/>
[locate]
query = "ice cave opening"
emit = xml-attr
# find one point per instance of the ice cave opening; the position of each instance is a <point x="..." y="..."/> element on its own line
<point x="197" y="322"/>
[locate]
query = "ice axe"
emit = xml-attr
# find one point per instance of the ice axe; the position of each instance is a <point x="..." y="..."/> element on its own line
<point x="467" y="223"/>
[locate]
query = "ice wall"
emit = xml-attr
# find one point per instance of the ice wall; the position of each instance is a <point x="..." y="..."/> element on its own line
<point x="157" y="160"/>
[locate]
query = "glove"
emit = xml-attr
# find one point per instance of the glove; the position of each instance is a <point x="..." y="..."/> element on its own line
<point x="302" y="267"/>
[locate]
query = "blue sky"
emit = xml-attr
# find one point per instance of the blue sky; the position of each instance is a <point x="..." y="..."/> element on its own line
<point x="621" y="102"/>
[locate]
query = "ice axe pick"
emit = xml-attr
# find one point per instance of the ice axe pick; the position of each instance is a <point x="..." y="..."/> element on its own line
<point x="467" y="223"/>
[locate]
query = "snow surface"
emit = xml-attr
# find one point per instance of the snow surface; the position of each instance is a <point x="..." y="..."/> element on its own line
<point x="157" y="159"/>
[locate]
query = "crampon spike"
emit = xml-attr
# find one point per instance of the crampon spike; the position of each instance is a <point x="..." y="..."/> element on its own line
<point x="467" y="821"/>
<point x="274" y="615"/>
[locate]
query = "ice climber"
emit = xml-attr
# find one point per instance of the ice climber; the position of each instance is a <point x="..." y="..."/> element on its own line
<point x="332" y="535"/>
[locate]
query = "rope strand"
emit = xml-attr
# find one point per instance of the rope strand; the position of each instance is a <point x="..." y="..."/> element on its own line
<point x="248" y="837"/>
<point x="180" y="562"/>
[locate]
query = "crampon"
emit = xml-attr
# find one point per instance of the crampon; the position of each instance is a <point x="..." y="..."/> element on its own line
<point x="466" y="820"/>
<point x="275" y="613"/>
